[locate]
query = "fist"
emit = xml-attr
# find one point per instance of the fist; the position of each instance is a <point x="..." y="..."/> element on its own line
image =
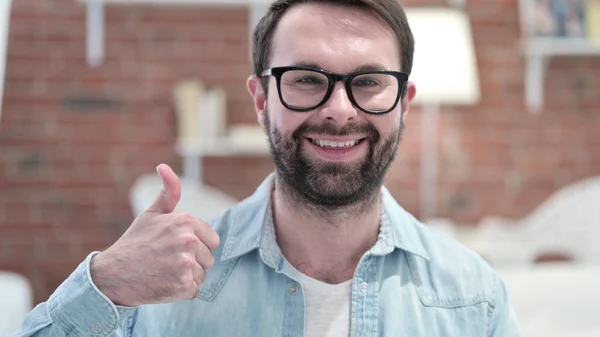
<point x="161" y="258"/>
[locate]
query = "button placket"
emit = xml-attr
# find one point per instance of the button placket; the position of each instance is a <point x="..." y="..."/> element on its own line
<point x="365" y="298"/>
<point x="293" y="314"/>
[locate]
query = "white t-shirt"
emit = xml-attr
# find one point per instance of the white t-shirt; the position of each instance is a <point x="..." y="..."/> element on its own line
<point x="327" y="308"/>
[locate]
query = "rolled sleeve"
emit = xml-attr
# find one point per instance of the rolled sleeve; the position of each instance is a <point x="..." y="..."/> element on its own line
<point x="81" y="309"/>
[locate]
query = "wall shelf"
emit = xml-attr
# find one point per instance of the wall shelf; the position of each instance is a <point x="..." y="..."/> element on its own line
<point x="537" y="50"/>
<point x="240" y="141"/>
<point x="537" y="53"/>
<point x="549" y="46"/>
<point x="95" y="18"/>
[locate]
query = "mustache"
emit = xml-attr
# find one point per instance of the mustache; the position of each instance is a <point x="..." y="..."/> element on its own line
<point x="333" y="130"/>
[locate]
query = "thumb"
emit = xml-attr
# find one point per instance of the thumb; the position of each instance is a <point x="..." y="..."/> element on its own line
<point x="171" y="191"/>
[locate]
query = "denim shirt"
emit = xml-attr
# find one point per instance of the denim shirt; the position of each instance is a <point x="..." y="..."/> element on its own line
<point x="413" y="282"/>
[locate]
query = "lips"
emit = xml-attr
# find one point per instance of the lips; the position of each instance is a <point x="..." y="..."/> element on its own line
<point x="335" y="144"/>
<point x="337" y="150"/>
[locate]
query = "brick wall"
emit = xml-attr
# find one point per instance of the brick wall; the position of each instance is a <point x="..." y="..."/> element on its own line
<point x="74" y="138"/>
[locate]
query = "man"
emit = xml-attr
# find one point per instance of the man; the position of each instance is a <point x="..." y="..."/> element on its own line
<point x="321" y="248"/>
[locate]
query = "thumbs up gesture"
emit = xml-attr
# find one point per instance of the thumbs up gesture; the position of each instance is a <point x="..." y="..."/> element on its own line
<point x="161" y="258"/>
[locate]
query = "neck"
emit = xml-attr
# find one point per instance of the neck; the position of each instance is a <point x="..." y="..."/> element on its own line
<point x="325" y="244"/>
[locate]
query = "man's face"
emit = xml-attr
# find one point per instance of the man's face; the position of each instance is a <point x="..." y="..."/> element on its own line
<point x="335" y="155"/>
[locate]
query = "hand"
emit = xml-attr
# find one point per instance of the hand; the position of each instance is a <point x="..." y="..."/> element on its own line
<point x="161" y="258"/>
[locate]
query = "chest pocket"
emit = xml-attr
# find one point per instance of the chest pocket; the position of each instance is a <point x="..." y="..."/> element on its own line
<point x="455" y="299"/>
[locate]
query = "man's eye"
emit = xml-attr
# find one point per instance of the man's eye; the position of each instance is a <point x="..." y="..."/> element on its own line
<point x="365" y="82"/>
<point x="309" y="80"/>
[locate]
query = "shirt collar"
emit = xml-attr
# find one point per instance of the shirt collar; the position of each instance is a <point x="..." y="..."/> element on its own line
<point x="251" y="227"/>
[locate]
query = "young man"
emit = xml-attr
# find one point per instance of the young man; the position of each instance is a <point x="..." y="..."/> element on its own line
<point x="321" y="248"/>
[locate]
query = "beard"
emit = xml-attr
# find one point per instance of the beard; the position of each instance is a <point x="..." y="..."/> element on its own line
<point x="327" y="186"/>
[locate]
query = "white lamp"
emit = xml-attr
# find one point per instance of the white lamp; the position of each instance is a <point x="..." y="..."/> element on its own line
<point x="445" y="72"/>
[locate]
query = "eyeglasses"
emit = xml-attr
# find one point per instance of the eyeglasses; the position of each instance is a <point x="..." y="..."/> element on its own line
<point x="304" y="89"/>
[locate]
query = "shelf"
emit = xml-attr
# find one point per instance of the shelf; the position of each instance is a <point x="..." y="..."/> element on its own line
<point x="223" y="147"/>
<point x="551" y="46"/>
<point x="95" y="20"/>
<point x="241" y="141"/>
<point x="537" y="52"/>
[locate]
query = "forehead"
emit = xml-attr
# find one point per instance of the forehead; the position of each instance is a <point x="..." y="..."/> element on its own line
<point x="337" y="38"/>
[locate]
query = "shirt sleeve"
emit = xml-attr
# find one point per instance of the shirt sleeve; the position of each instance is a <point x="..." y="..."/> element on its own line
<point x="78" y="308"/>
<point x="503" y="321"/>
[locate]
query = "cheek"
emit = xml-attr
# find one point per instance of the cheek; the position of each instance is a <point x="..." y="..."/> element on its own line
<point x="386" y="124"/>
<point x="285" y="120"/>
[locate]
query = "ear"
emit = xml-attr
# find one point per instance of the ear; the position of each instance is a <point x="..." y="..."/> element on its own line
<point x="258" y="97"/>
<point x="411" y="92"/>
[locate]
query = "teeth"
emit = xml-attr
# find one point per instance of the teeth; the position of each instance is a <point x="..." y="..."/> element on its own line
<point x="327" y="143"/>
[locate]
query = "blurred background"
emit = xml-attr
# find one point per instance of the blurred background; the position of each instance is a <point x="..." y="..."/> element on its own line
<point x="501" y="151"/>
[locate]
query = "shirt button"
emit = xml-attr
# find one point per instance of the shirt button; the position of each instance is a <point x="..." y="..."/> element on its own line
<point x="96" y="328"/>
<point x="293" y="289"/>
<point x="364" y="287"/>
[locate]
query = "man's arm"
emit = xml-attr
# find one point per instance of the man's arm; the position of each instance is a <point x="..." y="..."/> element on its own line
<point x="77" y="308"/>
<point x="161" y="258"/>
<point x="502" y="319"/>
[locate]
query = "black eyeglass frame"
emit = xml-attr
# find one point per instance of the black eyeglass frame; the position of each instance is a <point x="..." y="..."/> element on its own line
<point x="333" y="78"/>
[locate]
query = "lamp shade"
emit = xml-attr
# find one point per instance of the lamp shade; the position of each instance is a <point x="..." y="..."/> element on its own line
<point x="445" y="64"/>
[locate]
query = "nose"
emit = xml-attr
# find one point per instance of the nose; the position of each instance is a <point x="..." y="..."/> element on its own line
<point x="338" y="108"/>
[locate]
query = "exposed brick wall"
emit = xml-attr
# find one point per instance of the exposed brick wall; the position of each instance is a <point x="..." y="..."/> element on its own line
<point x="74" y="138"/>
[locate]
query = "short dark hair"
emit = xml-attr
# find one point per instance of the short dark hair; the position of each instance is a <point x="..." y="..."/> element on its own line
<point x="389" y="10"/>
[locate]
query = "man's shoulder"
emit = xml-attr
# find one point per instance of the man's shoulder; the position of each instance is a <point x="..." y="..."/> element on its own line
<point x="448" y="263"/>
<point x="446" y="252"/>
<point x="456" y="274"/>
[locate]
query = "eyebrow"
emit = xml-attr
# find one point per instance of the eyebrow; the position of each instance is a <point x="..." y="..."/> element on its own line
<point x="364" y="67"/>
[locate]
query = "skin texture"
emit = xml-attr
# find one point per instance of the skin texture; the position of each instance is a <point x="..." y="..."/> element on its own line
<point x="327" y="212"/>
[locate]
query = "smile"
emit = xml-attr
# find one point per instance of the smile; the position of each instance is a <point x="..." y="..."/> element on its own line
<point x="335" y="144"/>
<point x="337" y="150"/>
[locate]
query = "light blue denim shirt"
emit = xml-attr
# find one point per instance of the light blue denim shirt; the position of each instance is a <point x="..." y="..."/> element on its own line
<point x="412" y="283"/>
